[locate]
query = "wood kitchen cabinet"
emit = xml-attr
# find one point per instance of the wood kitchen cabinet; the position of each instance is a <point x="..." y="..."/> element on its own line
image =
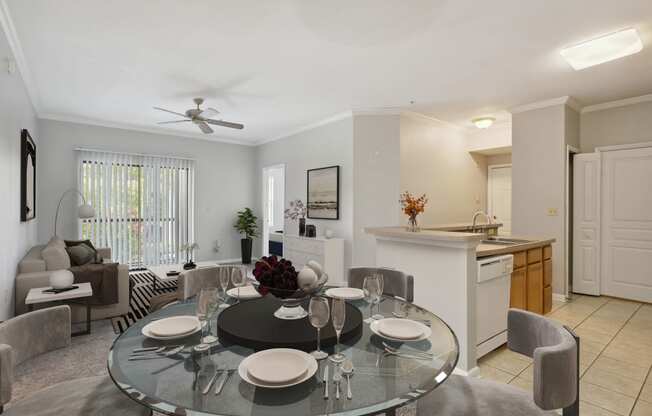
<point x="531" y="286"/>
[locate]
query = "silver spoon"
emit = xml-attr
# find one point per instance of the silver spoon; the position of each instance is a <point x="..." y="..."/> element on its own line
<point x="347" y="369"/>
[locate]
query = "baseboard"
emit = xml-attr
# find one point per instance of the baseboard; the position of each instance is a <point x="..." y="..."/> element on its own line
<point x="559" y="297"/>
<point x="474" y="372"/>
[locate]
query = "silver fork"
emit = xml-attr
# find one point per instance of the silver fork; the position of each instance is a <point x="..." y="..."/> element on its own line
<point x="337" y="379"/>
<point x="168" y="353"/>
<point x="410" y="351"/>
<point x="154" y="350"/>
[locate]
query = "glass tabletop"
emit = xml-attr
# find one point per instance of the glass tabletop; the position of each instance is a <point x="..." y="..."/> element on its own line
<point x="381" y="381"/>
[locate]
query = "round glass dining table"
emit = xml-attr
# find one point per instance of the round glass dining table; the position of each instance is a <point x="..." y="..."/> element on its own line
<point x="381" y="380"/>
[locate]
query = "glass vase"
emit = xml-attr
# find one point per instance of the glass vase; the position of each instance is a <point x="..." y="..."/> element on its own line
<point x="412" y="224"/>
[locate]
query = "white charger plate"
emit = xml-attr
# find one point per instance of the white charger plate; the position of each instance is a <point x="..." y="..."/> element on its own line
<point x="243" y="369"/>
<point x="147" y="333"/>
<point x="427" y="332"/>
<point x="277" y="366"/>
<point x="347" y="293"/>
<point x="246" y="292"/>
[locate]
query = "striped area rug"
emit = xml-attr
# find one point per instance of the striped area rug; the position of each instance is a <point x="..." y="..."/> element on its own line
<point x="140" y="295"/>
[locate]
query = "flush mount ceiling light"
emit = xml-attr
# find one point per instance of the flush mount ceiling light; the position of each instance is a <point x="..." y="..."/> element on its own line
<point x="483" y="122"/>
<point x="603" y="49"/>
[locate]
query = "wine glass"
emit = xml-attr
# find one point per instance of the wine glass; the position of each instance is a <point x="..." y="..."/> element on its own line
<point x="238" y="278"/>
<point x="207" y="306"/>
<point x="224" y="278"/>
<point x="319" y="313"/>
<point x="372" y="288"/>
<point x="338" y="315"/>
<point x="381" y="285"/>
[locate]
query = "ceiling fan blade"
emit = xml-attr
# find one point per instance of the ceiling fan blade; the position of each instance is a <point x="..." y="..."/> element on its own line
<point x="204" y="127"/>
<point x="174" y="121"/>
<point x="209" y="112"/>
<point x="225" y="124"/>
<point x="171" y="112"/>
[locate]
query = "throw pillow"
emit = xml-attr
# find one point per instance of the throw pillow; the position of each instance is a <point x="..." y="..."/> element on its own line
<point x="81" y="254"/>
<point x="73" y="243"/>
<point x="55" y="256"/>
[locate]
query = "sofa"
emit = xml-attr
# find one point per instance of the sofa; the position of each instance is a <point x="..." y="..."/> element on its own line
<point x="34" y="271"/>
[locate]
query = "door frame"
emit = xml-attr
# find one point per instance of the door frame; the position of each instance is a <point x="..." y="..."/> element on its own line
<point x="264" y="249"/>
<point x="568" y="226"/>
<point x="491" y="168"/>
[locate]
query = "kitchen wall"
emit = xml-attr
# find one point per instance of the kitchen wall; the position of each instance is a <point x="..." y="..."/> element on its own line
<point x="435" y="160"/>
<point x="223" y="179"/>
<point x="614" y="126"/>
<point x="327" y="145"/>
<point x="16" y="113"/>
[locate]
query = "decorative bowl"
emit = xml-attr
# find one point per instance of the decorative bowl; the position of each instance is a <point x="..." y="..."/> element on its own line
<point x="291" y="300"/>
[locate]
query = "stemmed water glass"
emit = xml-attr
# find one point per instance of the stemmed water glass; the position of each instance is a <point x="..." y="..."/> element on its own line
<point x="372" y="287"/>
<point x="338" y="315"/>
<point x="238" y="278"/>
<point x="318" y="313"/>
<point x="207" y="306"/>
<point x="224" y="278"/>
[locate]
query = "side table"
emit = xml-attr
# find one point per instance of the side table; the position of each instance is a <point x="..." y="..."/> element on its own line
<point x="83" y="292"/>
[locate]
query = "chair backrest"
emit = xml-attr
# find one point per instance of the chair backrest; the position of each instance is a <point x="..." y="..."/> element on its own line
<point x="190" y="282"/>
<point x="554" y="349"/>
<point x="395" y="282"/>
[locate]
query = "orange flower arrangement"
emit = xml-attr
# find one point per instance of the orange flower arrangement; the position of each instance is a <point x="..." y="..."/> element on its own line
<point x="412" y="207"/>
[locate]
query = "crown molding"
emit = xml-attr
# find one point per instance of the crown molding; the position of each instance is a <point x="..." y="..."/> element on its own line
<point x="421" y="116"/>
<point x="617" y="103"/>
<point x="378" y="111"/>
<point x="322" y="122"/>
<point x="17" y="50"/>
<point x="565" y="100"/>
<point x="132" y="127"/>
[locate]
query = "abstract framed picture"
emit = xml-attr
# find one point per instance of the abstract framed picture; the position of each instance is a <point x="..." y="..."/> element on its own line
<point x="324" y="193"/>
<point x="27" y="177"/>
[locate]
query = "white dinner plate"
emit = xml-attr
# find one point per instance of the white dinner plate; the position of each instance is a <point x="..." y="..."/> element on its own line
<point x="147" y="333"/>
<point x="347" y="293"/>
<point x="310" y="368"/>
<point x="174" y="326"/>
<point x="375" y="327"/>
<point x="277" y="366"/>
<point x="246" y="292"/>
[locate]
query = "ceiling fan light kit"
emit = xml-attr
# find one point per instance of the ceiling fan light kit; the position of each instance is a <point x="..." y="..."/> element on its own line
<point x="201" y="117"/>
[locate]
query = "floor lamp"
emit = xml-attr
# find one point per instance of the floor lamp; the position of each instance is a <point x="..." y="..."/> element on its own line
<point x="83" y="211"/>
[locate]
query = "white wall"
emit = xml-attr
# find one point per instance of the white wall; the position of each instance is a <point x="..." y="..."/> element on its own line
<point x="327" y="145"/>
<point x="498" y="136"/>
<point x="504" y="159"/>
<point x="435" y="160"/>
<point x="223" y="184"/>
<point x="376" y="180"/>
<point x="16" y="237"/>
<point x="614" y="126"/>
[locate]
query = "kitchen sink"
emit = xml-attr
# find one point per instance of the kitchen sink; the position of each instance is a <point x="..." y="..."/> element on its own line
<point x="504" y="241"/>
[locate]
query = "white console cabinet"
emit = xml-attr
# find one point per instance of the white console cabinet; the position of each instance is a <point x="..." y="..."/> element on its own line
<point x="329" y="252"/>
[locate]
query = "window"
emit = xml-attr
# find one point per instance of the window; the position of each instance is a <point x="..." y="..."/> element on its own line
<point x="144" y="206"/>
<point x="270" y="201"/>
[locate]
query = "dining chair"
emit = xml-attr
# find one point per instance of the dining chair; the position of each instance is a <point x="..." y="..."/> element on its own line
<point x="396" y="283"/>
<point x="555" y="352"/>
<point x="34" y="333"/>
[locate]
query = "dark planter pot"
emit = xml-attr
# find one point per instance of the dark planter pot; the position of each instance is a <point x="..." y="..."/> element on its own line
<point x="245" y="245"/>
<point x="302" y="226"/>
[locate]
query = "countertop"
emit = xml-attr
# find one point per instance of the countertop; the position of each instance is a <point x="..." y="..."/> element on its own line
<point x="484" y="250"/>
<point x="461" y="226"/>
<point x="425" y="235"/>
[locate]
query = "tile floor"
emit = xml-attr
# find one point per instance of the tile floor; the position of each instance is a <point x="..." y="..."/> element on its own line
<point x="615" y="356"/>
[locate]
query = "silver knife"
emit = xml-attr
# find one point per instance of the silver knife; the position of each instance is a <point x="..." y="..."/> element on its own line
<point x="326" y="382"/>
<point x="210" y="383"/>
<point x="222" y="382"/>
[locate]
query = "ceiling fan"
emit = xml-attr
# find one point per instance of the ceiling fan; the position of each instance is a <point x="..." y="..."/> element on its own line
<point x="202" y="118"/>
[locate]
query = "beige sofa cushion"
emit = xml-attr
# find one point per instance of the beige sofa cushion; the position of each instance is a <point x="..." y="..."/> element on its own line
<point x="32" y="262"/>
<point x="55" y="255"/>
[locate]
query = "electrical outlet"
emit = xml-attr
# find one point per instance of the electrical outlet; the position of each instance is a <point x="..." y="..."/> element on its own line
<point x="552" y="212"/>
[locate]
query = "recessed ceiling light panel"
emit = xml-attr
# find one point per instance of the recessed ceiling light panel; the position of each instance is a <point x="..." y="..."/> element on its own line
<point x="483" y="122"/>
<point x="603" y="49"/>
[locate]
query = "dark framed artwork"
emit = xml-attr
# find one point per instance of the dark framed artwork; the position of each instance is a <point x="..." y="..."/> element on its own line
<point x="27" y="177"/>
<point x="324" y="193"/>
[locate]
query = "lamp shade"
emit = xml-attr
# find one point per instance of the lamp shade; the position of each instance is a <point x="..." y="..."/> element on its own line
<point x="86" y="211"/>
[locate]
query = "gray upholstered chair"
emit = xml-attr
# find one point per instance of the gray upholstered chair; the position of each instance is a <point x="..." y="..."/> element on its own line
<point x="555" y="350"/>
<point x="41" y="331"/>
<point x="396" y="283"/>
<point x="190" y="282"/>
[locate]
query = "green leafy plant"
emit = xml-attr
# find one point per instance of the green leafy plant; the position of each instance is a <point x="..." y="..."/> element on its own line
<point x="246" y="224"/>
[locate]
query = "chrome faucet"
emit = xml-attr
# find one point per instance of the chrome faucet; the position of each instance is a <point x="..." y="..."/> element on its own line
<point x="475" y="219"/>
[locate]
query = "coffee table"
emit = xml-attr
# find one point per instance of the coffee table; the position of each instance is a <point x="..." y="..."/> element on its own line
<point x="83" y="293"/>
<point x="160" y="272"/>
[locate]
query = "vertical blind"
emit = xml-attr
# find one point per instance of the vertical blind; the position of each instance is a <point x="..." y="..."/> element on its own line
<point x="144" y="205"/>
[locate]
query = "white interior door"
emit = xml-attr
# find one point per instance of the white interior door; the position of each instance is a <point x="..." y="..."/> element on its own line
<point x="500" y="195"/>
<point x="586" y="224"/>
<point x="627" y="224"/>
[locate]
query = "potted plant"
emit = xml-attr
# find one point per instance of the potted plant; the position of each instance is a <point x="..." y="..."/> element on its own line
<point x="297" y="211"/>
<point x="189" y="248"/>
<point x="246" y="225"/>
